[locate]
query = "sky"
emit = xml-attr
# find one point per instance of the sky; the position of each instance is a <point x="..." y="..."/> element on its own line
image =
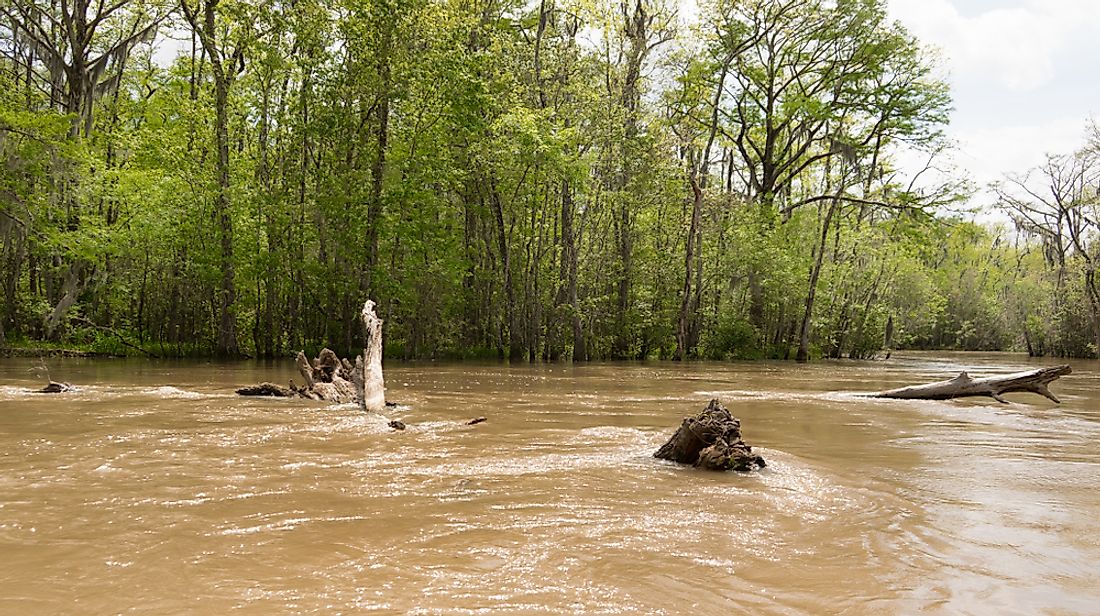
<point x="1024" y="75"/>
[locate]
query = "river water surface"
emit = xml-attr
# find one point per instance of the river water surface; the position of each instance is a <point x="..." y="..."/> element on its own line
<point x="155" y="490"/>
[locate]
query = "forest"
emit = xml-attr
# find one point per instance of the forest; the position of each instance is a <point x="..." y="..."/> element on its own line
<point x="536" y="180"/>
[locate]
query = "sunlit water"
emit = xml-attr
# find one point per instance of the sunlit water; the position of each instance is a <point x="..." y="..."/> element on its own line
<point x="155" y="490"/>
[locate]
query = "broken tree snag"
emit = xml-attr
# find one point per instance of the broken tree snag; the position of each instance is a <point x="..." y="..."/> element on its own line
<point x="1034" y="381"/>
<point x="371" y="389"/>
<point x="711" y="440"/>
<point x="327" y="378"/>
<point x="332" y="379"/>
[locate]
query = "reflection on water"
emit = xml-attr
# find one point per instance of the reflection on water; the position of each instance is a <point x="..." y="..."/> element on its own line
<point x="154" y="489"/>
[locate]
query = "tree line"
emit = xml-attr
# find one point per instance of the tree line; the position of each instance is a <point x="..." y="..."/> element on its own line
<point x="536" y="180"/>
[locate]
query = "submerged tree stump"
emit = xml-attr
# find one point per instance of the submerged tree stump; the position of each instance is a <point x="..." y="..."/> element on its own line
<point x="332" y="379"/>
<point x="1034" y="381"/>
<point x="711" y="440"/>
<point x="55" y="388"/>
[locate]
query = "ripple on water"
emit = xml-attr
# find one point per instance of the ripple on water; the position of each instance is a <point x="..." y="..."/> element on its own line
<point x="10" y="392"/>
<point x="169" y="392"/>
<point x="555" y="505"/>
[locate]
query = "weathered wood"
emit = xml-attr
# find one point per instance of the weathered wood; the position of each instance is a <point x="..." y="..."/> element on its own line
<point x="304" y="369"/>
<point x="1034" y="381"/>
<point x="327" y="378"/>
<point x="332" y="379"/>
<point x="372" y="392"/>
<point x="268" y="389"/>
<point x="711" y="440"/>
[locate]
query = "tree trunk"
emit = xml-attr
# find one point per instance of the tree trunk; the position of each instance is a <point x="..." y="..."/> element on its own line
<point x="515" y="340"/>
<point x="811" y="292"/>
<point x="1094" y="304"/>
<point x="1034" y="381"/>
<point x="377" y="172"/>
<point x="636" y="29"/>
<point x="567" y="291"/>
<point x="683" y="324"/>
<point x="74" y="285"/>
<point x="227" y="325"/>
<point x="226" y="345"/>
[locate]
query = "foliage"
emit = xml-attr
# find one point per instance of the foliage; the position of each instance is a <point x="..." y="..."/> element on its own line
<point x="537" y="180"/>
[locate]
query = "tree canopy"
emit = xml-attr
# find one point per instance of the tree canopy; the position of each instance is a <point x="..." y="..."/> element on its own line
<point x="538" y="180"/>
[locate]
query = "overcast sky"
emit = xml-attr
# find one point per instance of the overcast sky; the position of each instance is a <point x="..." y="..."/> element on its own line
<point x="1024" y="74"/>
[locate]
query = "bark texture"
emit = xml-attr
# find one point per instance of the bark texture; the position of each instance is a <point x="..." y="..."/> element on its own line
<point x="267" y="389"/>
<point x="372" y="393"/>
<point x="1034" y="381"/>
<point x="711" y="440"/>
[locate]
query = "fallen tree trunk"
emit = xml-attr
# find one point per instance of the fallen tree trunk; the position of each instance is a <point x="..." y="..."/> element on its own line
<point x="711" y="440"/>
<point x="332" y="379"/>
<point x="1034" y="381"/>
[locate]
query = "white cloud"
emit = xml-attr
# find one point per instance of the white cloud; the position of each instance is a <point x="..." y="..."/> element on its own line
<point x="991" y="152"/>
<point x="1015" y="46"/>
<point x="1021" y="76"/>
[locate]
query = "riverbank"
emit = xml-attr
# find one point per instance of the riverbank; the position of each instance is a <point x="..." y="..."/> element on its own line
<point x="41" y="350"/>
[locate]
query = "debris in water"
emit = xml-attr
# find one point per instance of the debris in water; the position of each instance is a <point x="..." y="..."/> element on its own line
<point x="711" y="440"/>
<point x="267" y="389"/>
<point x="332" y="379"/>
<point x="56" y="388"/>
<point x="1034" y="381"/>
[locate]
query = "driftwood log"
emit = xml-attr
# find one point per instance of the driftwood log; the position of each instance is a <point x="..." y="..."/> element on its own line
<point x="332" y="379"/>
<point x="1034" y="381"/>
<point x="711" y="440"/>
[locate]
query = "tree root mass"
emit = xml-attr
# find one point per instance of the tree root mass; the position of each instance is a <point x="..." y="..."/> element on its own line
<point x="711" y="440"/>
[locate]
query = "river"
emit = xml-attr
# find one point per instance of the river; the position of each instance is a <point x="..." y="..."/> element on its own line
<point x="154" y="489"/>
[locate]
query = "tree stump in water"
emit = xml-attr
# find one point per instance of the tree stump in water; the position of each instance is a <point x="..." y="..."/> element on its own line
<point x="711" y="440"/>
<point x="1034" y="381"/>
<point x="332" y="379"/>
<point x="55" y="388"/>
<point x="327" y="378"/>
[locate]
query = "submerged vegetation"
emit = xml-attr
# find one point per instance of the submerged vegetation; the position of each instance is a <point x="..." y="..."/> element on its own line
<point x="541" y="179"/>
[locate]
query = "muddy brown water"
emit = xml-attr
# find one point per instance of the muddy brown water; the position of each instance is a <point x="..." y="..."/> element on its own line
<point x="155" y="490"/>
